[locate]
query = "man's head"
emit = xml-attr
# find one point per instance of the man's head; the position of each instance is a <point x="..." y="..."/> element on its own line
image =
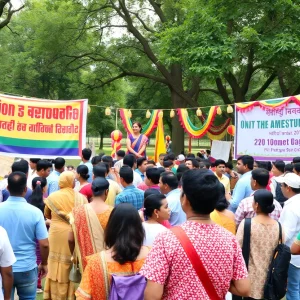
<point x="43" y="168"/>
<point x="120" y="154"/>
<point x="296" y="168"/>
<point x="126" y="176"/>
<point x="290" y="184"/>
<point x="96" y="159"/>
<point x="167" y="182"/>
<point x="33" y="162"/>
<point x="208" y="153"/>
<point x="171" y="156"/>
<point x="17" y="184"/>
<point x="161" y="158"/>
<point x="86" y="154"/>
<point x="205" y="164"/>
<point x="229" y="167"/>
<point x="260" y="179"/>
<point x="167" y="164"/>
<point x="99" y="171"/>
<point x="108" y="159"/>
<point x="278" y="168"/>
<point x="20" y="166"/>
<point x="296" y="160"/>
<point x="59" y="164"/>
<point x="70" y="168"/>
<point x="104" y="165"/>
<point x="142" y="164"/>
<point x="100" y="187"/>
<point x="200" y="192"/>
<point x="220" y="167"/>
<point x="288" y="168"/>
<point x="129" y="160"/>
<point x="152" y="176"/>
<point x="192" y="163"/>
<point x="151" y="163"/>
<point x="244" y="164"/>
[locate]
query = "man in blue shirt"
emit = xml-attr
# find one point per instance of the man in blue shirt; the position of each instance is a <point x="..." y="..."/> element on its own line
<point x="53" y="178"/>
<point x="141" y="164"/>
<point x="130" y="194"/>
<point x="242" y="188"/>
<point x="24" y="224"/>
<point x="85" y="157"/>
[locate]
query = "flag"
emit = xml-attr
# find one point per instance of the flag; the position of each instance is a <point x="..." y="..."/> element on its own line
<point x="160" y="146"/>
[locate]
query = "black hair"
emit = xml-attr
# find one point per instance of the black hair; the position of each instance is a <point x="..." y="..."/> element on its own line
<point x="264" y="165"/>
<point x="151" y="203"/>
<point x="200" y="155"/>
<point x="151" y="162"/>
<point x="124" y="233"/>
<point x="36" y="199"/>
<point x="201" y="190"/>
<point x="99" y="171"/>
<point x="99" y="186"/>
<point x="129" y="160"/>
<point x="127" y="174"/>
<point x="151" y="192"/>
<point x="153" y="174"/>
<point x="279" y="165"/>
<point x="219" y="162"/>
<point x="104" y="165"/>
<point x="83" y="171"/>
<point x="86" y="153"/>
<point x="190" y="155"/>
<point x="167" y="163"/>
<point x="121" y="153"/>
<point x="261" y="176"/>
<point x="161" y="170"/>
<point x="222" y="203"/>
<point x="20" y="166"/>
<point x="288" y="168"/>
<point x="138" y="124"/>
<point x="247" y="160"/>
<point x="17" y="182"/>
<point x="229" y="165"/>
<point x="43" y="164"/>
<point x="208" y="152"/>
<point x="265" y="200"/>
<point x="194" y="161"/>
<point x="140" y="161"/>
<point x="34" y="160"/>
<point x="59" y="163"/>
<point x="205" y="164"/>
<point x="170" y="179"/>
<point x="96" y="159"/>
<point x="70" y="167"/>
<point x="296" y="160"/>
<point x="108" y="159"/>
<point x="171" y="156"/>
<point x="297" y="167"/>
<point x="180" y="170"/>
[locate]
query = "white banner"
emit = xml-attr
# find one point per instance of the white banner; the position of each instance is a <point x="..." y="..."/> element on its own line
<point x="268" y="134"/>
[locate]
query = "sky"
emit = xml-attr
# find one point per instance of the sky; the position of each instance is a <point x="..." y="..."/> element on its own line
<point x="17" y="3"/>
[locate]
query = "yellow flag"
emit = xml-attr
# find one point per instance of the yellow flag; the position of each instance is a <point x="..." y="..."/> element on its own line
<point x="160" y="146"/>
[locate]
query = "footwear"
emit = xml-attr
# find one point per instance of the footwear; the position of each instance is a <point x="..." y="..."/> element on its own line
<point x="39" y="291"/>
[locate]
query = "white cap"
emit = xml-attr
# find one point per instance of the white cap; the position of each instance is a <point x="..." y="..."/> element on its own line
<point x="290" y="179"/>
<point x="180" y="157"/>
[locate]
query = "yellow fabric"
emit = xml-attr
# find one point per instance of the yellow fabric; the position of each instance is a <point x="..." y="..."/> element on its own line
<point x="160" y="146"/>
<point x="114" y="190"/>
<point x="58" y="206"/>
<point x="225" y="181"/>
<point x="223" y="221"/>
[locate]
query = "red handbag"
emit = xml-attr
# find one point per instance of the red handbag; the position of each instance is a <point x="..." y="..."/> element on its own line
<point x="196" y="262"/>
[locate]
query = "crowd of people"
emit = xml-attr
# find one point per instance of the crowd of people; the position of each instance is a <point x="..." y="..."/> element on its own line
<point x="81" y="227"/>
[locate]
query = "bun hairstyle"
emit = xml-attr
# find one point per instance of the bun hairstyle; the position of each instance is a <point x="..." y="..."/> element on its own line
<point x="99" y="186"/>
<point x="151" y="203"/>
<point x="138" y="124"/>
<point x="83" y="171"/>
<point x="265" y="200"/>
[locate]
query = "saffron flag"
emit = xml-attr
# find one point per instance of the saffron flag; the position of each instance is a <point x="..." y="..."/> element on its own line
<point x="160" y="146"/>
<point x="42" y="128"/>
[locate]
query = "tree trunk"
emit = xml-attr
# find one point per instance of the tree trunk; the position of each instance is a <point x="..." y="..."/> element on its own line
<point x="101" y="140"/>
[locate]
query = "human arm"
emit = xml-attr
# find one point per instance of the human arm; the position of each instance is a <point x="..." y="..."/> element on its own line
<point x="131" y="150"/>
<point x="289" y="220"/>
<point x="142" y="150"/>
<point x="240" y="287"/>
<point x="237" y="197"/>
<point x="44" y="250"/>
<point x="71" y="241"/>
<point x="7" y="279"/>
<point x="153" y="291"/>
<point x="295" y="248"/>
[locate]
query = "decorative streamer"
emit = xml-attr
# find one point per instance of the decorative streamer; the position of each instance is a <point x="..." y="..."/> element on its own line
<point x="192" y="130"/>
<point x="116" y="137"/>
<point x="160" y="146"/>
<point x="147" y="129"/>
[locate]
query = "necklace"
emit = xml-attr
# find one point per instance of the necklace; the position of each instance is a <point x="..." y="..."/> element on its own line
<point x="198" y="218"/>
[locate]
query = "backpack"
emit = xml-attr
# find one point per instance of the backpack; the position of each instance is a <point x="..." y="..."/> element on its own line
<point x="127" y="287"/>
<point x="276" y="283"/>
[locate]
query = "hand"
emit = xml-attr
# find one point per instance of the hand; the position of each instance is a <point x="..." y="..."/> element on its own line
<point x="43" y="270"/>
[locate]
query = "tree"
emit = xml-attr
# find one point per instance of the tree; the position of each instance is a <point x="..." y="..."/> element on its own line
<point x="6" y="12"/>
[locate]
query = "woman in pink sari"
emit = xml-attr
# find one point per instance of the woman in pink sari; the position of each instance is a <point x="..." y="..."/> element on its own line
<point x="137" y="142"/>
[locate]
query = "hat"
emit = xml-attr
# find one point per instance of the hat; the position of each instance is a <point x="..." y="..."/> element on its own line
<point x="180" y="157"/>
<point x="290" y="179"/>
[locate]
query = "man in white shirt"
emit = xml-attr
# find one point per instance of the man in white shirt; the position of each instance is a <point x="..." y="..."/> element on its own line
<point x="290" y="220"/>
<point x="7" y="259"/>
<point x="130" y="161"/>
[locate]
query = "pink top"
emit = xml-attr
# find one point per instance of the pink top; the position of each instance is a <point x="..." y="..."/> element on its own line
<point x="144" y="187"/>
<point x="167" y="263"/>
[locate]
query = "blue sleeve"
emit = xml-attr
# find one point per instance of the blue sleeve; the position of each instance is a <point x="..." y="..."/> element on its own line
<point x="118" y="200"/>
<point x="238" y="196"/>
<point x="41" y="229"/>
<point x="5" y="194"/>
<point x="53" y="187"/>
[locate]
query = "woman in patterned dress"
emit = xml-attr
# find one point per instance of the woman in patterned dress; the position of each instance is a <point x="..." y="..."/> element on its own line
<point x="136" y="141"/>
<point x="263" y="241"/>
<point x="168" y="269"/>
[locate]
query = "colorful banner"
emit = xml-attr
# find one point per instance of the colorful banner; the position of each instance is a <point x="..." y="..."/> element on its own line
<point x="42" y="128"/>
<point x="147" y="129"/>
<point x="268" y="130"/>
<point x="160" y="146"/>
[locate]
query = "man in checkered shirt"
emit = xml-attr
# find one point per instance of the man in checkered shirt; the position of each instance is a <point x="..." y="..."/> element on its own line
<point x="259" y="181"/>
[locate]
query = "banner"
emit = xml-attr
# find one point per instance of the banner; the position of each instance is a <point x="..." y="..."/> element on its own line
<point x="160" y="146"/>
<point x="268" y="131"/>
<point x="42" y="128"/>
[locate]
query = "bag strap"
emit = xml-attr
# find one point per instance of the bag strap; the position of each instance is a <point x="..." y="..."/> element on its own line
<point x="246" y="241"/>
<point x="196" y="262"/>
<point x="280" y="233"/>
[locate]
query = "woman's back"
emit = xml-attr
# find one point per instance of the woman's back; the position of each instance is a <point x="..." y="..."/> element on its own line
<point x="224" y="219"/>
<point x="263" y="241"/>
<point x="151" y="232"/>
